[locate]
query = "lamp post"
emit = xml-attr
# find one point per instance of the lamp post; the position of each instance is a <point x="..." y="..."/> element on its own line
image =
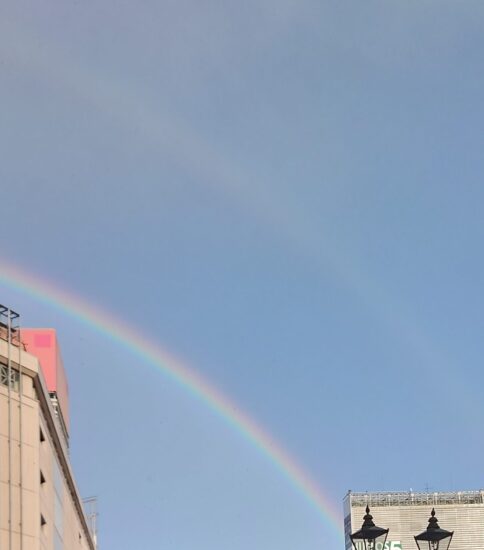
<point x="434" y="538"/>
<point x="369" y="537"/>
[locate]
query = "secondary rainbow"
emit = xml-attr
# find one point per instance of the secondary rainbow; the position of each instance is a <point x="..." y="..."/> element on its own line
<point x="187" y="378"/>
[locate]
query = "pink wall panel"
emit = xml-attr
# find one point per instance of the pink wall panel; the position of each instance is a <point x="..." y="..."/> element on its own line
<point x="42" y="342"/>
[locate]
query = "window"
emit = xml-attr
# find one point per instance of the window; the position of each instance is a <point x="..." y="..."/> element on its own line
<point x="58" y="508"/>
<point x="58" y="544"/>
<point x="42" y="436"/>
<point x="42" y="520"/>
<point x="42" y="477"/>
<point x="14" y="377"/>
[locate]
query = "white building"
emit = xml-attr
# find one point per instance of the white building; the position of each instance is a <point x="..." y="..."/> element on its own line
<point x="407" y="514"/>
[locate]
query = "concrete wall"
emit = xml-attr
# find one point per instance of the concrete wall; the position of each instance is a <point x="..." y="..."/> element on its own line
<point x="13" y="498"/>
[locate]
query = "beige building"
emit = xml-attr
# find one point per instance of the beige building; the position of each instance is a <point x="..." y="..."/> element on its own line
<point x="406" y="514"/>
<point x="40" y="506"/>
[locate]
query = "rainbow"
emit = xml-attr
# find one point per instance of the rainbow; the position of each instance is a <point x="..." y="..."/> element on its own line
<point x="188" y="379"/>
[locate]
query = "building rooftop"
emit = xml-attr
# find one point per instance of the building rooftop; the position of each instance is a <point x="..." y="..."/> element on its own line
<point x="415" y="499"/>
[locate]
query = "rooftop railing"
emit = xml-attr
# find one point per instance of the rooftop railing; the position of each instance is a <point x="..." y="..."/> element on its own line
<point x="415" y="499"/>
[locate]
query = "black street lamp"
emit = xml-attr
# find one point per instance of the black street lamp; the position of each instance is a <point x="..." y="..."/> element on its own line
<point x="434" y="538"/>
<point x="369" y="537"/>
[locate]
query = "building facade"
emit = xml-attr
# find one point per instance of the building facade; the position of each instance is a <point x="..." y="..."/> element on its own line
<point x="407" y="514"/>
<point x="40" y="506"/>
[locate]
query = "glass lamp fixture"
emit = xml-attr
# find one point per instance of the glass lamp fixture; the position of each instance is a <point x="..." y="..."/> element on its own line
<point x="434" y="538"/>
<point x="369" y="537"/>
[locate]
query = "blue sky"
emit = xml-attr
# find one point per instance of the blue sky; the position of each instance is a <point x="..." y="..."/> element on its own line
<point x="287" y="195"/>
